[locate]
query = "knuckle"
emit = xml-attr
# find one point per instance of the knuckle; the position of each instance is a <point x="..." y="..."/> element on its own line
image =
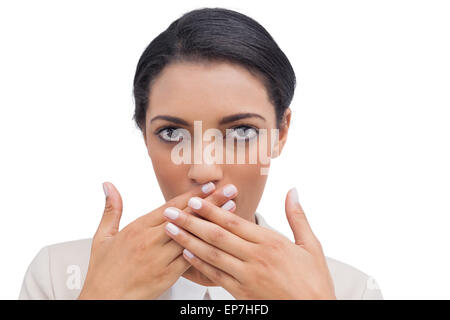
<point x="217" y="275"/>
<point x="109" y="208"/>
<point x="275" y="244"/>
<point x="152" y="235"/>
<point x="183" y="239"/>
<point x="299" y="211"/>
<point x="139" y="248"/>
<point x="166" y="272"/>
<point x="187" y="222"/>
<point x="262" y="259"/>
<point x="232" y="223"/>
<point x="213" y="256"/>
<point x="216" y="236"/>
<point x="130" y="232"/>
<point x="206" y="209"/>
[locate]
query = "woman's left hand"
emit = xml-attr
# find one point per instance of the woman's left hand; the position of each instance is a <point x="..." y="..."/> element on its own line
<point x="253" y="262"/>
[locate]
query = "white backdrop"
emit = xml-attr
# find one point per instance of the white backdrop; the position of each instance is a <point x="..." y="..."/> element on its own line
<point x="368" y="147"/>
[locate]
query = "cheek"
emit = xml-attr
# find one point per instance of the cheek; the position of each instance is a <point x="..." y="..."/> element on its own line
<point x="250" y="183"/>
<point x="250" y="178"/>
<point x="167" y="173"/>
<point x="256" y="153"/>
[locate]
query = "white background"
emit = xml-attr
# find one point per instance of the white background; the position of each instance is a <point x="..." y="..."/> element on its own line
<point x="368" y="147"/>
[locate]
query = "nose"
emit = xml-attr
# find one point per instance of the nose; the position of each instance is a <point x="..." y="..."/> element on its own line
<point x="205" y="171"/>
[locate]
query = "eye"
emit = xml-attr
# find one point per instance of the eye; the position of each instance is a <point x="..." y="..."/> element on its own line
<point x="170" y="134"/>
<point x="242" y="132"/>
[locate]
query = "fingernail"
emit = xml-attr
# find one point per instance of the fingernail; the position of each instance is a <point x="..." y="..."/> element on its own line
<point x="173" y="229"/>
<point x="294" y="195"/>
<point x="208" y="187"/>
<point x="229" y="190"/>
<point x="105" y="189"/>
<point x="195" y="203"/>
<point x="171" y="213"/>
<point x="228" y="205"/>
<point x="188" y="253"/>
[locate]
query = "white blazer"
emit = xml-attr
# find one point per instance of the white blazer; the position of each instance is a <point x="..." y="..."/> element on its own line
<point x="58" y="272"/>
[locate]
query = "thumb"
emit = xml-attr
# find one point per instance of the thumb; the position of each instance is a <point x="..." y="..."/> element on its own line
<point x="296" y="217"/>
<point x="109" y="225"/>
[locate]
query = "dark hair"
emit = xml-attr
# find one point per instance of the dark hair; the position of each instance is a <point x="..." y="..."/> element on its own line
<point x="216" y="34"/>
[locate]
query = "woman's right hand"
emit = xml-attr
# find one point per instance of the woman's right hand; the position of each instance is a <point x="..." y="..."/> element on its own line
<point x="140" y="261"/>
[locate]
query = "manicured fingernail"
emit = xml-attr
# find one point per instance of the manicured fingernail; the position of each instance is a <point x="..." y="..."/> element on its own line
<point x="195" y="203"/>
<point x="105" y="190"/>
<point x="228" y="205"/>
<point x="208" y="187"/>
<point x="229" y="190"/>
<point x="171" y="213"/>
<point x="188" y="253"/>
<point x="294" y="195"/>
<point x="173" y="229"/>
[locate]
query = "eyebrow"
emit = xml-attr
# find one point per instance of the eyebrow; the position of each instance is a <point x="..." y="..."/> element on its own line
<point x="171" y="119"/>
<point x="227" y="119"/>
<point x="239" y="116"/>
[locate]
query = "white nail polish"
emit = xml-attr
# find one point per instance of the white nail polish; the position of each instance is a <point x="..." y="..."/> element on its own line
<point x="105" y="190"/>
<point x="173" y="229"/>
<point x="229" y="190"/>
<point x="294" y="195"/>
<point x="208" y="187"/>
<point x="171" y="213"/>
<point x="195" y="203"/>
<point x="228" y="205"/>
<point x="188" y="253"/>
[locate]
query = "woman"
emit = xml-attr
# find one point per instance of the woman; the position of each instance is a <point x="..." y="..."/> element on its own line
<point x="219" y="71"/>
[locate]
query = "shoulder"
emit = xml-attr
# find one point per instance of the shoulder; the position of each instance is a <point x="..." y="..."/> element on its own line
<point x="351" y="283"/>
<point x="57" y="271"/>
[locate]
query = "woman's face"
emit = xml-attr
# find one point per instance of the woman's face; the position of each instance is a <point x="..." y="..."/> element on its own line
<point x="212" y="92"/>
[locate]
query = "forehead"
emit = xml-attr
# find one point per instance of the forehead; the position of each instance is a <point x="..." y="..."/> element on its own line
<point x="208" y="91"/>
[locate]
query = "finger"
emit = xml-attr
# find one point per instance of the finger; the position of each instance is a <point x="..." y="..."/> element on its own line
<point x="216" y="275"/>
<point x="156" y="217"/>
<point x="233" y="223"/>
<point x="179" y="266"/>
<point x="298" y="222"/>
<point x="109" y="224"/>
<point x="219" y="198"/>
<point x="200" y="191"/>
<point x="229" y="205"/>
<point x="163" y="238"/>
<point x="205" y="251"/>
<point x="173" y="250"/>
<point x="211" y="233"/>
